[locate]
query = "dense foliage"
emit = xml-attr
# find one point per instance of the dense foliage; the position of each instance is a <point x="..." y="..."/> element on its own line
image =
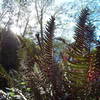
<point x="75" y="76"/>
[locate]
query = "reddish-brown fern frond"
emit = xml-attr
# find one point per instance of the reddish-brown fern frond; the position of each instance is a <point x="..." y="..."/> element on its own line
<point x="47" y="63"/>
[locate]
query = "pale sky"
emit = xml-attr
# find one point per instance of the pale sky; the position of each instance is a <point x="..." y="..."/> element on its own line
<point x="67" y="17"/>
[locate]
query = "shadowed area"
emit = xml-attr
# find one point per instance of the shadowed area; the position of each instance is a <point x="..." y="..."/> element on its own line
<point x="9" y="47"/>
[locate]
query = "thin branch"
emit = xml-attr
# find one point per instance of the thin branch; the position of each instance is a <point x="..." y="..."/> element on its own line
<point x="24" y="33"/>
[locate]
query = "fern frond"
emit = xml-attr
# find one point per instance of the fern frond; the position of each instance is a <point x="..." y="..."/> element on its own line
<point x="80" y="32"/>
<point x="47" y="63"/>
